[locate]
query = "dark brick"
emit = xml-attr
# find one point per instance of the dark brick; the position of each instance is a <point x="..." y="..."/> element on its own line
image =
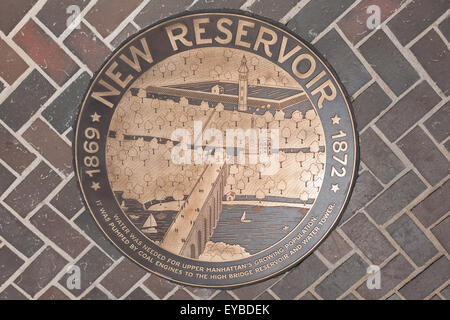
<point x="87" y="47"/>
<point x="433" y="207"/>
<point x="441" y="232"/>
<point x="33" y="189"/>
<point x="11" y="293"/>
<point x="41" y="271"/>
<point x="392" y="274"/>
<point x="265" y="296"/>
<point x="415" y="18"/>
<point x="308" y="296"/>
<point x="61" y="113"/>
<point x="406" y="112"/>
<point x="366" y="188"/>
<point x="158" y="9"/>
<point x="412" y="240"/>
<point x="92" y="264"/>
<point x="23" y="103"/>
<point x="447" y="145"/>
<point x="437" y="124"/>
<point x="272" y="9"/>
<point x="300" y="278"/>
<point x="159" y="286"/>
<point x="50" y="146"/>
<point x="17" y="234"/>
<point x="378" y="157"/>
<point x="334" y="247"/>
<point x="54" y="14"/>
<point x="396" y="197"/>
<point x="53" y="293"/>
<point x="106" y="15"/>
<point x="180" y="294"/>
<point x="45" y="52"/>
<point x="251" y="291"/>
<point x="369" y="104"/>
<point x="350" y="70"/>
<point x="394" y="297"/>
<point x="126" y="32"/>
<point x="372" y="243"/>
<point x="388" y="62"/>
<point x="12" y="65"/>
<point x="446" y="292"/>
<point x="201" y="293"/>
<point x="427" y="281"/>
<point x="434" y="56"/>
<point x="9" y="263"/>
<point x="223" y="295"/>
<point x="445" y="28"/>
<point x="424" y="155"/>
<point x="350" y="296"/>
<point x="68" y="200"/>
<point x="6" y="178"/>
<point x="122" y="277"/>
<point x="342" y="278"/>
<point x="316" y="15"/>
<point x="59" y="231"/>
<point x="90" y="227"/>
<point x="354" y="23"/>
<point x="219" y="4"/>
<point x="95" y="294"/>
<point x="11" y="12"/>
<point x="138" y="294"/>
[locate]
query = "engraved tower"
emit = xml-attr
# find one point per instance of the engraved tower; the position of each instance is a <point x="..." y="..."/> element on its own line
<point x="243" y="85"/>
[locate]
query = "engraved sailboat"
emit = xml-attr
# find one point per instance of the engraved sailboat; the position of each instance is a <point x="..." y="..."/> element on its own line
<point x="150" y="225"/>
<point x="244" y="219"/>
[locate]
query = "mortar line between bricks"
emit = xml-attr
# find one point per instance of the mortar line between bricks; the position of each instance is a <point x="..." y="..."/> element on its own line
<point x="324" y="260"/>
<point x="104" y="290"/>
<point x="445" y="216"/>
<point x="10" y="88"/>
<point x="246" y="6"/>
<point x="148" y="290"/>
<point x="362" y="89"/>
<point x="231" y="293"/>
<point x="28" y="15"/>
<point x="134" y="286"/>
<point x="11" y="170"/>
<point x="69" y="30"/>
<point x="192" y="4"/>
<point x="270" y="292"/>
<point x="428" y="29"/>
<point x="439" y="146"/>
<point x="273" y="294"/>
<point x="134" y="24"/>
<point x="443" y="38"/>
<point x="293" y="11"/>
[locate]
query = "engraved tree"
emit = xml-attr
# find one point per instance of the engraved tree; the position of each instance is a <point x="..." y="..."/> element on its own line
<point x="227" y="53"/>
<point x="286" y="133"/>
<point x="281" y="186"/>
<point x="297" y="117"/>
<point x="268" y="116"/>
<point x="270" y="184"/>
<point x="279" y="116"/>
<point x="310" y="115"/>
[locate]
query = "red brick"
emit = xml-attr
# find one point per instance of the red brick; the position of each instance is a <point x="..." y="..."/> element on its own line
<point x="9" y="263"/>
<point x="12" y="65"/>
<point x="272" y="9"/>
<point x="11" y="12"/>
<point x="53" y="293"/>
<point x="45" y="52"/>
<point x="68" y="201"/>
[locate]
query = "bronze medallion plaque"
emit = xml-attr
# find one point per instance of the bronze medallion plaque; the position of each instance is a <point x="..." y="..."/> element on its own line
<point x="215" y="149"/>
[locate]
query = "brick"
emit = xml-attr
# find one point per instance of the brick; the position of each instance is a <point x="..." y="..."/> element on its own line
<point x="53" y="293"/>
<point x="106" y="15"/>
<point x="445" y="28"/>
<point x="45" y="52"/>
<point x="396" y="197"/>
<point x="92" y="264"/>
<point x="415" y="18"/>
<point x="334" y="247"/>
<point x="138" y="294"/>
<point x="300" y="278"/>
<point x="62" y="112"/>
<point x="59" y="231"/>
<point x="122" y="277"/>
<point x="9" y="264"/>
<point x="33" y="189"/>
<point x="272" y="9"/>
<point x="394" y="297"/>
<point x="434" y="56"/>
<point x="447" y="145"/>
<point x="159" y="286"/>
<point x="200" y="293"/>
<point x="25" y="100"/>
<point x="126" y="32"/>
<point x="388" y="62"/>
<point x="350" y="70"/>
<point x="366" y="188"/>
<point x="446" y="292"/>
<point x="220" y="4"/>
<point x="424" y="155"/>
<point x="50" y="146"/>
<point x="427" y="281"/>
<point x="342" y="278"/>
<point x="95" y="294"/>
<point x="316" y="15"/>
<point x="441" y="232"/>
<point x="55" y="16"/>
<point x="433" y="207"/>
<point x="392" y="274"/>
<point x="41" y="271"/>
<point x="180" y="294"/>
<point x="372" y="243"/>
<point x="354" y="23"/>
<point x="369" y="104"/>
<point x="412" y="240"/>
<point x="6" y="179"/>
<point x="251" y="291"/>
<point x="350" y="296"/>
<point x="11" y="12"/>
<point x="87" y="47"/>
<point x="12" y="65"/>
<point x="223" y="295"/>
<point x="11" y="293"/>
<point x="308" y="296"/>
<point x="17" y="234"/>
<point x="408" y="110"/>
<point x="437" y="124"/>
<point x="86" y="223"/>
<point x="265" y="296"/>
<point x="378" y="157"/>
<point x="68" y="200"/>
<point x="158" y="9"/>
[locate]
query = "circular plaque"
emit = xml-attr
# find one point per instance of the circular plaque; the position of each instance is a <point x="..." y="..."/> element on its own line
<point x="215" y="149"/>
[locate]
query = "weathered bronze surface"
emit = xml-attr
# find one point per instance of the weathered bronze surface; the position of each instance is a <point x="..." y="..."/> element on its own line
<point x="215" y="149"/>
